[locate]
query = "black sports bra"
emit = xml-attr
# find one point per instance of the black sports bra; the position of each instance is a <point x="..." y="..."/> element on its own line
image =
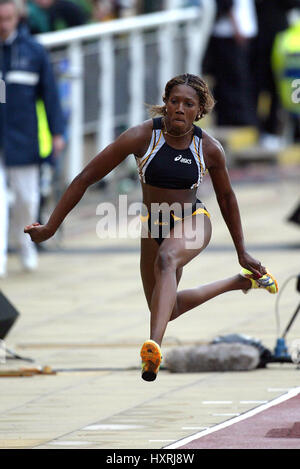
<point x="166" y="167"/>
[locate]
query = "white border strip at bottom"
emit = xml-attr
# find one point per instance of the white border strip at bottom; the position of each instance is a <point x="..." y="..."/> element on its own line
<point x="292" y="393"/>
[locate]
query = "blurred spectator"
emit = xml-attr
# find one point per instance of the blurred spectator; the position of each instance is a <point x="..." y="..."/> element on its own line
<point x="285" y="60"/>
<point x="228" y="59"/>
<point x="127" y="8"/>
<point x="85" y="6"/>
<point x="286" y="68"/>
<point x="28" y="76"/>
<point x="54" y="15"/>
<point x="105" y="10"/>
<point x="272" y="18"/>
<point x="149" y="6"/>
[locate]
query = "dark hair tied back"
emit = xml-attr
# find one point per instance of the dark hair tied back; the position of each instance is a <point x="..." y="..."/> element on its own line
<point x="206" y="99"/>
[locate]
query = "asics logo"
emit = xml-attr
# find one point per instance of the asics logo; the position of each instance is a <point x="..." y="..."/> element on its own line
<point x="182" y="160"/>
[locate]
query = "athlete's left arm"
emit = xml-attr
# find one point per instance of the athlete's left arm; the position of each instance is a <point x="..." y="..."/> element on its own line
<point x="216" y="165"/>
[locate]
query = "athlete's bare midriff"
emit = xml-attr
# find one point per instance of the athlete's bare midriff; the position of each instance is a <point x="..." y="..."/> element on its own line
<point x="158" y="195"/>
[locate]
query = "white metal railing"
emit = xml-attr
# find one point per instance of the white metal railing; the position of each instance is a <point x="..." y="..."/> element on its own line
<point x="197" y="24"/>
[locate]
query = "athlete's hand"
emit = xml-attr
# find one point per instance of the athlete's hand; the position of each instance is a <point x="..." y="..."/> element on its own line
<point x="252" y="264"/>
<point x="38" y="232"/>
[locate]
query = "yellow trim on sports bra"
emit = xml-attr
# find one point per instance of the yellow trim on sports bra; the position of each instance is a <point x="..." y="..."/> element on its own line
<point x="146" y="159"/>
<point x="201" y="166"/>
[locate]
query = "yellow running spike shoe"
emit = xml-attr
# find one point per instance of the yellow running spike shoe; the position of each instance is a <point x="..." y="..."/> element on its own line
<point x="267" y="281"/>
<point x="151" y="360"/>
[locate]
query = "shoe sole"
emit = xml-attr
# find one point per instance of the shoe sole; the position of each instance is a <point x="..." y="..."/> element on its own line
<point x="150" y="355"/>
<point x="275" y="282"/>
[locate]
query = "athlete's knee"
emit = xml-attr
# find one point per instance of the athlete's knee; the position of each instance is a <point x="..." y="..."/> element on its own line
<point x="165" y="260"/>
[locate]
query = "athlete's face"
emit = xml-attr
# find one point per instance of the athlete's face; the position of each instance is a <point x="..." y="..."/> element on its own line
<point x="182" y="108"/>
<point x="8" y="20"/>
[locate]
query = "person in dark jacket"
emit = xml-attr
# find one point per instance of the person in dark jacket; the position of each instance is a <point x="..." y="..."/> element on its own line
<point x="54" y="15"/>
<point x="229" y="61"/>
<point x="28" y="77"/>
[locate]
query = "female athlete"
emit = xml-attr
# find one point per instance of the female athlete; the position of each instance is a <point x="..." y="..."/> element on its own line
<point x="172" y="155"/>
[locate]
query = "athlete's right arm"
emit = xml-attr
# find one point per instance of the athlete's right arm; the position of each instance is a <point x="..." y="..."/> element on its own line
<point x="132" y="141"/>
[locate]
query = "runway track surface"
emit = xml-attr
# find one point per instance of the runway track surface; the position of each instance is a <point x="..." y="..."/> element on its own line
<point x="274" y="425"/>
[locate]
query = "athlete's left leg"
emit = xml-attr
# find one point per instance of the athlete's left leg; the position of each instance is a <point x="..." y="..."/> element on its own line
<point x="193" y="297"/>
<point x="150" y="351"/>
